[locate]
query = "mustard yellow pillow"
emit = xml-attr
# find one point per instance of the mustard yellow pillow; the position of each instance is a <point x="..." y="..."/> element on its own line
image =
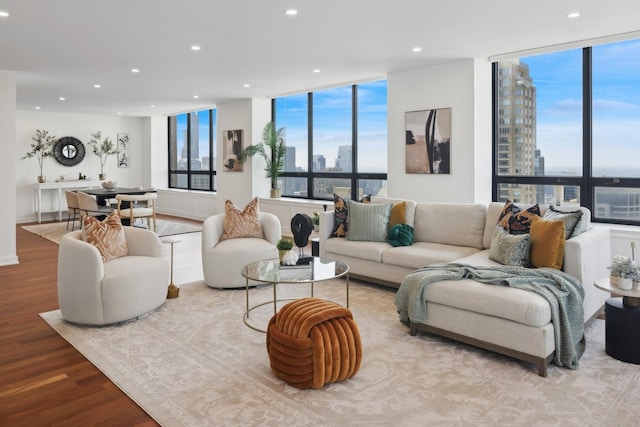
<point x="242" y="223"/>
<point x="547" y="243"/>
<point x="398" y="214"/>
<point x="107" y="236"/>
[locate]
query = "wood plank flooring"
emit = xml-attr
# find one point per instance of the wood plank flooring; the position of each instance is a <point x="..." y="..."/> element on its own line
<point x="44" y="381"/>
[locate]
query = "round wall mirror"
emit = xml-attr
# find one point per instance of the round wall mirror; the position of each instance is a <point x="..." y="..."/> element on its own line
<point x="68" y="151"/>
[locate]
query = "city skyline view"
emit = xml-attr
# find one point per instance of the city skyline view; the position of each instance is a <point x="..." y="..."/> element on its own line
<point x="616" y="110"/>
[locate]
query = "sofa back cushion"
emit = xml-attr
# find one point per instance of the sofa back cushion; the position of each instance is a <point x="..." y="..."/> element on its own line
<point x="460" y="224"/>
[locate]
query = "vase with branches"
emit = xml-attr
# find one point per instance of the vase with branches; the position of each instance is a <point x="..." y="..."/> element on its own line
<point x="41" y="149"/>
<point x="272" y="149"/>
<point x="102" y="148"/>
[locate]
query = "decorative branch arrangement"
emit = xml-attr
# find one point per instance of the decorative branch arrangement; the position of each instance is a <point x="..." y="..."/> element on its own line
<point x="41" y="148"/>
<point x="102" y="148"/>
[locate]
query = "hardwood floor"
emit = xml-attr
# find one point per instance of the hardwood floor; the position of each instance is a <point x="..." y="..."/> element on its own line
<point x="43" y="379"/>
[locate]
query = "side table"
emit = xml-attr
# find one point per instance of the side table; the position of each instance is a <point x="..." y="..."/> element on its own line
<point x="173" y="291"/>
<point x="622" y="322"/>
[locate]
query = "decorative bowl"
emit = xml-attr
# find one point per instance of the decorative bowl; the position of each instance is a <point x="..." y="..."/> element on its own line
<point x="109" y="185"/>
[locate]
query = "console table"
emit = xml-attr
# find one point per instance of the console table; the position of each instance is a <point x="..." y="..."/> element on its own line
<point x="59" y="187"/>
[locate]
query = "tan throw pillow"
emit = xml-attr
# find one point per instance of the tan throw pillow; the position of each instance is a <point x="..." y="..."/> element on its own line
<point x="398" y="214"/>
<point x="107" y="236"/>
<point x="242" y="223"/>
<point x="547" y="243"/>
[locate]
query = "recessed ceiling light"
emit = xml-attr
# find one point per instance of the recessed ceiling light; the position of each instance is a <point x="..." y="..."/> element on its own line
<point x="416" y="49"/>
<point x="37" y="108"/>
<point x="196" y="96"/>
<point x="246" y="85"/>
<point x="4" y="14"/>
<point x="195" y="47"/>
<point x="62" y="98"/>
<point x="97" y="86"/>
<point x="135" y="70"/>
<point x="316" y="70"/>
<point x="119" y="113"/>
<point x="153" y="106"/>
<point x="573" y="15"/>
<point x="291" y="12"/>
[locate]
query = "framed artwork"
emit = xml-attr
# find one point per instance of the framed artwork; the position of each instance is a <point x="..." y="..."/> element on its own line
<point x="232" y="146"/>
<point x="123" y="141"/>
<point x="124" y="159"/>
<point x="428" y="141"/>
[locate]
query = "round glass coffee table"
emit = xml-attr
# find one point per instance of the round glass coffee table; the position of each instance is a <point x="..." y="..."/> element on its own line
<point x="271" y="272"/>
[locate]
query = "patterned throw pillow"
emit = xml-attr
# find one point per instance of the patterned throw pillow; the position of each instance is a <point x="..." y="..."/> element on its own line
<point x="107" y="236"/>
<point x="241" y="223"/>
<point x="516" y="221"/>
<point x="510" y="249"/>
<point x="365" y="198"/>
<point x="341" y="216"/>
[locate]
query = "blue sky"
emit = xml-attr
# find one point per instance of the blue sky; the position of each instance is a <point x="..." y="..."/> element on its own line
<point x="616" y="107"/>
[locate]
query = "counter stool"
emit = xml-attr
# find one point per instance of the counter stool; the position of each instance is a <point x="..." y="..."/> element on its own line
<point x="312" y="342"/>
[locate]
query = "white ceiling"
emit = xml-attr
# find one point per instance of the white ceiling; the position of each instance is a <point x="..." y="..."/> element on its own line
<point x="62" y="48"/>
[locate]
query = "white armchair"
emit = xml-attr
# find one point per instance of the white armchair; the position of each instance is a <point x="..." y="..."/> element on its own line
<point x="95" y="293"/>
<point x="222" y="261"/>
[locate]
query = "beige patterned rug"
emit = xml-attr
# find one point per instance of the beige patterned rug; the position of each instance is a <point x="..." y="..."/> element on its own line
<point x="193" y="362"/>
<point x="55" y="230"/>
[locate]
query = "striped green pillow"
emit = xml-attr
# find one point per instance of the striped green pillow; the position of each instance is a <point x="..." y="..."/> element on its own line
<point x="368" y="222"/>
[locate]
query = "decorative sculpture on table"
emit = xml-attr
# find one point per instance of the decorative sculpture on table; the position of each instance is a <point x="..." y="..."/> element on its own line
<point x="301" y="227"/>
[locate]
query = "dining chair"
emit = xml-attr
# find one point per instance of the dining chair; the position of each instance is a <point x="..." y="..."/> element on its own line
<point x="88" y="206"/>
<point x="137" y="206"/>
<point x="73" y="208"/>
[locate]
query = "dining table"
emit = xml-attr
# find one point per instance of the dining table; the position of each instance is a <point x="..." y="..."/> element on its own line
<point x="103" y="195"/>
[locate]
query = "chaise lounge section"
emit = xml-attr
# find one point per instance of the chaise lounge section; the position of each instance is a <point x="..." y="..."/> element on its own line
<point x="506" y="320"/>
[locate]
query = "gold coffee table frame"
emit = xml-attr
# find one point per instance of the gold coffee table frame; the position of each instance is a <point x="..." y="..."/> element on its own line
<point x="268" y="271"/>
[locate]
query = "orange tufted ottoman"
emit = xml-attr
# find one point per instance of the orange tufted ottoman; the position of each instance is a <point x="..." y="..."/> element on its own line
<point x="312" y="342"/>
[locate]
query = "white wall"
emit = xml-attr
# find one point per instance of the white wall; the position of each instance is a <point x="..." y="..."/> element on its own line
<point x="464" y="86"/>
<point x="8" y="166"/>
<point x="80" y="126"/>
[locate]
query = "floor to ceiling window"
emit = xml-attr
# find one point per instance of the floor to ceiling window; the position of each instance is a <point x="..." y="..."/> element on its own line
<point x="567" y="130"/>
<point x="336" y="141"/>
<point x="191" y="144"/>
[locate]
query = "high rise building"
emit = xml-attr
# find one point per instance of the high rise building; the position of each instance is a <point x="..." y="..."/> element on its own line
<point x="343" y="161"/>
<point x="517" y="130"/>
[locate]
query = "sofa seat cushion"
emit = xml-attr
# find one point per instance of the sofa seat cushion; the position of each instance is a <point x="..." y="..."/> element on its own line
<point x="480" y="258"/>
<point x="508" y="303"/>
<point x="370" y="251"/>
<point x="421" y="254"/>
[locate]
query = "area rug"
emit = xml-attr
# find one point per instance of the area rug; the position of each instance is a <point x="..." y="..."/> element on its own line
<point x="55" y="230"/>
<point x="193" y="362"/>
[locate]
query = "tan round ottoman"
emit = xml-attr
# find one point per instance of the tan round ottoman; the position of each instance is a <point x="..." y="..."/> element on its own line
<point x="312" y="342"/>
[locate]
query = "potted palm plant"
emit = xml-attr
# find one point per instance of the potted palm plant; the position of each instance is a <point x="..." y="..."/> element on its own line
<point x="102" y="148"/>
<point x="40" y="149"/>
<point x="272" y="150"/>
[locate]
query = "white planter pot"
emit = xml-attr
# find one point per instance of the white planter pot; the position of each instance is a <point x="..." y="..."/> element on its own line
<point x="625" y="283"/>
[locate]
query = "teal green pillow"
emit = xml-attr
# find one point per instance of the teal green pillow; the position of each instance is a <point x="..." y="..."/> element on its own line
<point x="368" y="221"/>
<point x="400" y="235"/>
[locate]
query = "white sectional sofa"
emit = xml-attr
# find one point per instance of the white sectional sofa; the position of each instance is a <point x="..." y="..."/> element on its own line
<point x="505" y="320"/>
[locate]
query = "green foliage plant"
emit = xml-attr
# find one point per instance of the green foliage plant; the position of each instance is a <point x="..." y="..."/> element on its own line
<point x="272" y="149"/>
<point x="41" y="147"/>
<point x="102" y="148"/>
<point x="284" y="244"/>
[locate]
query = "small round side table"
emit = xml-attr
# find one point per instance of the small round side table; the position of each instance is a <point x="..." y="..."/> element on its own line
<point x="173" y="291"/>
<point x="622" y="322"/>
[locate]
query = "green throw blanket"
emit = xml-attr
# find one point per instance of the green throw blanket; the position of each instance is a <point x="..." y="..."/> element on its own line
<point x="563" y="292"/>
